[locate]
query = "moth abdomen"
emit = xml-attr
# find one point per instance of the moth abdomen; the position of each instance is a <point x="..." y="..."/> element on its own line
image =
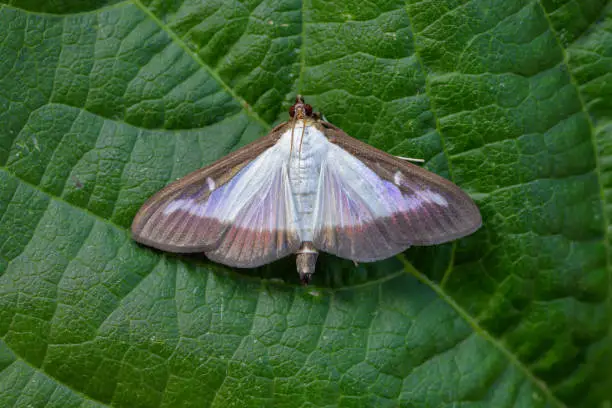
<point x="306" y="261"/>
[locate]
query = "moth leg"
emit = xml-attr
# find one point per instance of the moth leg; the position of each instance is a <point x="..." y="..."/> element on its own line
<point x="410" y="159"/>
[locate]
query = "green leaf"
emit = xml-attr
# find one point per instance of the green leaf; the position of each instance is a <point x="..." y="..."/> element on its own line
<point x="104" y="103"/>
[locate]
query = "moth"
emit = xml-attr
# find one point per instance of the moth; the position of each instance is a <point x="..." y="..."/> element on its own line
<point x="305" y="187"/>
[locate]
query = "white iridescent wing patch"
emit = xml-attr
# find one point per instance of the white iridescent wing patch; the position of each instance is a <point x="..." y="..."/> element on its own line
<point x="257" y="206"/>
<point x="363" y="216"/>
<point x="246" y="221"/>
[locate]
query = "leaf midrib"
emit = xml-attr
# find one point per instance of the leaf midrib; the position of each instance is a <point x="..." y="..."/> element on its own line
<point x="439" y="289"/>
<point x="481" y="332"/>
<point x="213" y="73"/>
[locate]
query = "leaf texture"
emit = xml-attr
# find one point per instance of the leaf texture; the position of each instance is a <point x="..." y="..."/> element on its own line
<point x="104" y="103"/>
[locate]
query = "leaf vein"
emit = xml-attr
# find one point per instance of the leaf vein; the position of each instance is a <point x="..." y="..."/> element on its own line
<point x="483" y="333"/>
<point x="604" y="216"/>
<point x="200" y="62"/>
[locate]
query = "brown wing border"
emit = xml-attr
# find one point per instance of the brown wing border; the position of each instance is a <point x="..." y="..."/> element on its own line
<point x="222" y="171"/>
<point x="373" y="157"/>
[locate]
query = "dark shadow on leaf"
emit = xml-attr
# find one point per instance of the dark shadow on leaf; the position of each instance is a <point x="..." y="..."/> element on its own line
<point x="63" y="7"/>
<point x="333" y="272"/>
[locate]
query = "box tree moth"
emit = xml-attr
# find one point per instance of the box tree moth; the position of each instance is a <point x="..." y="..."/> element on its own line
<point x="305" y="187"/>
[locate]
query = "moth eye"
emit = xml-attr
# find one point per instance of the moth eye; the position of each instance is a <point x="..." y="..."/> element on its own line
<point x="292" y="111"/>
<point x="308" y="110"/>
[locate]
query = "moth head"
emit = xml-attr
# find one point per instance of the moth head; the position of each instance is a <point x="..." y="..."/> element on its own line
<point x="299" y="109"/>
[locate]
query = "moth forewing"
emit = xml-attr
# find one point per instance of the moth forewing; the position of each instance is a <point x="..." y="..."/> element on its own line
<point x="429" y="208"/>
<point x="181" y="217"/>
<point x="306" y="186"/>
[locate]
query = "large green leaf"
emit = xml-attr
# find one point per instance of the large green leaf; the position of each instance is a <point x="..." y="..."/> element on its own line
<point x="103" y="103"/>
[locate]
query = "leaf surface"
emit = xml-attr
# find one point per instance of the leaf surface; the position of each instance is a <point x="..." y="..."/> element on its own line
<point x="104" y="103"/>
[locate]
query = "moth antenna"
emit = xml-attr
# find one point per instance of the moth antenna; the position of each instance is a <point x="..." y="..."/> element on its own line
<point x="301" y="140"/>
<point x="292" y="130"/>
<point x="410" y="159"/>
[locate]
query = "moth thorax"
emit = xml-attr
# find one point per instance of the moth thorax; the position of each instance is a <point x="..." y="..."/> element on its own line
<point x="306" y="261"/>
